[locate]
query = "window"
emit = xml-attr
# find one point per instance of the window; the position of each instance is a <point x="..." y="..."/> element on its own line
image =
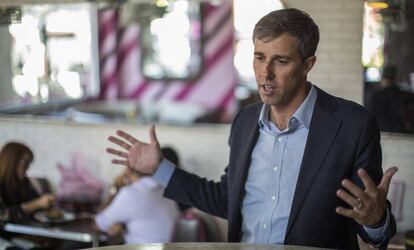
<point x="52" y="56"/>
<point x="171" y="44"/>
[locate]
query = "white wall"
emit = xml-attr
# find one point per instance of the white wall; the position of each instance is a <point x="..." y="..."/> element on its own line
<point x="338" y="68"/>
<point x="203" y="150"/>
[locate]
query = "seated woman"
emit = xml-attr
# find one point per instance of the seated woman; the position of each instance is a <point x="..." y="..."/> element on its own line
<point x="18" y="198"/>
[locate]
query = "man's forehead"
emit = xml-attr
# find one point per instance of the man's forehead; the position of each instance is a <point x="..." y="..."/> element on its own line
<point x="283" y="44"/>
<point x="266" y="39"/>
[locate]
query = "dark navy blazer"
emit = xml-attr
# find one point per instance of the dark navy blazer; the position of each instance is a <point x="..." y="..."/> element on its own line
<point x="343" y="137"/>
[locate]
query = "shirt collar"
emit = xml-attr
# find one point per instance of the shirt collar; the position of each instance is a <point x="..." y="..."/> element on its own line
<point x="303" y="114"/>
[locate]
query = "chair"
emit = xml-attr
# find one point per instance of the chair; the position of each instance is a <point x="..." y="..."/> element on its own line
<point x="41" y="185"/>
<point x="195" y="226"/>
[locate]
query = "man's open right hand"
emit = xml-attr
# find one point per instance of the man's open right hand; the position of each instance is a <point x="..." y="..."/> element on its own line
<point x="141" y="156"/>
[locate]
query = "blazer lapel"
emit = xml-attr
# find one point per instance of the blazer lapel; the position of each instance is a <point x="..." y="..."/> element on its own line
<point x="322" y="132"/>
<point x="251" y="132"/>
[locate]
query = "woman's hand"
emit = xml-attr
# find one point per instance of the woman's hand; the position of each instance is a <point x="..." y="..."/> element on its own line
<point x="43" y="202"/>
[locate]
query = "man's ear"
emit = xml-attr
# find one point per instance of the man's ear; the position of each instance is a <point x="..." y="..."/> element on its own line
<point x="308" y="65"/>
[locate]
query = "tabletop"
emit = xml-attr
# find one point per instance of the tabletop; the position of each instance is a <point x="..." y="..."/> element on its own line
<point x="80" y="229"/>
<point x="205" y="245"/>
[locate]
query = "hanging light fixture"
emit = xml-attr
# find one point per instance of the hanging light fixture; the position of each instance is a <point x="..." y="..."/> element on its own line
<point x="378" y="4"/>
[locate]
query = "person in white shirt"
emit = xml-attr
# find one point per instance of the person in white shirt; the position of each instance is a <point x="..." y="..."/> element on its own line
<point x="139" y="211"/>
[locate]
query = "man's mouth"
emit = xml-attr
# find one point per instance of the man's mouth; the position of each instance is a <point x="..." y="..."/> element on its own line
<point x="267" y="87"/>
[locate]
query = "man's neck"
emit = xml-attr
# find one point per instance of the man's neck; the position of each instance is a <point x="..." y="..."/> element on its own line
<point x="280" y="114"/>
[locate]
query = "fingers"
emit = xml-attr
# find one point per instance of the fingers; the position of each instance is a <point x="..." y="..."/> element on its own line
<point x="366" y="179"/>
<point x="119" y="142"/>
<point x="153" y="135"/>
<point x="117" y="152"/>
<point x="351" y="200"/>
<point x="126" y="136"/>
<point x="120" y="162"/>
<point x="386" y="178"/>
<point x="350" y="213"/>
<point x="353" y="189"/>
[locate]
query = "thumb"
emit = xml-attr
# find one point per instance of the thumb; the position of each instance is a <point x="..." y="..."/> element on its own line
<point x="386" y="179"/>
<point x="153" y="135"/>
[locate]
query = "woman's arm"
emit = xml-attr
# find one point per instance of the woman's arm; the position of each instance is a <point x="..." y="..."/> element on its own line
<point x="43" y="202"/>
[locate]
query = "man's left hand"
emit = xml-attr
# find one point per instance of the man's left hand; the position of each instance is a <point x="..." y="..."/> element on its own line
<point x="368" y="205"/>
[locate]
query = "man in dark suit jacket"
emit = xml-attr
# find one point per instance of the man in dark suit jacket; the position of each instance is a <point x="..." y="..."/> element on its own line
<point x="304" y="167"/>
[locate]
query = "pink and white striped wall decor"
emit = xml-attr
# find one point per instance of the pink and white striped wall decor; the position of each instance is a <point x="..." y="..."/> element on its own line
<point x="213" y="90"/>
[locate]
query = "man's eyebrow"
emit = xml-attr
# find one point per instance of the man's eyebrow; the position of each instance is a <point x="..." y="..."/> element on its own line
<point x="281" y="57"/>
<point x="257" y="53"/>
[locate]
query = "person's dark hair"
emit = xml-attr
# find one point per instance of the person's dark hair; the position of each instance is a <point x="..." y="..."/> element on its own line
<point x="11" y="156"/>
<point x="389" y="72"/>
<point x="170" y="154"/>
<point x="296" y="23"/>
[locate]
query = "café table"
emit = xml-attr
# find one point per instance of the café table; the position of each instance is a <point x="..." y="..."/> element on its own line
<point x="80" y="229"/>
<point x="203" y="245"/>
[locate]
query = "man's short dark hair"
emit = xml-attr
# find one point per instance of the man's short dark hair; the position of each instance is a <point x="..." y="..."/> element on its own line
<point x="296" y="23"/>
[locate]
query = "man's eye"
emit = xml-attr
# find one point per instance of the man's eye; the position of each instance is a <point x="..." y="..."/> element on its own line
<point x="283" y="62"/>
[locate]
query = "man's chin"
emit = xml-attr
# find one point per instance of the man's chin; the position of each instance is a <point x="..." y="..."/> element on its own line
<point x="271" y="101"/>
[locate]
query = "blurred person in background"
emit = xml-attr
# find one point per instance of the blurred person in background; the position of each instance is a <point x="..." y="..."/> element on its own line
<point x="137" y="209"/>
<point x="304" y="167"/>
<point x="391" y="105"/>
<point x="19" y="199"/>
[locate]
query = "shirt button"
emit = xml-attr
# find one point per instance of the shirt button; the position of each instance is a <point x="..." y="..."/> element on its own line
<point x="264" y="226"/>
<point x="273" y="197"/>
<point x="275" y="168"/>
<point x="280" y="139"/>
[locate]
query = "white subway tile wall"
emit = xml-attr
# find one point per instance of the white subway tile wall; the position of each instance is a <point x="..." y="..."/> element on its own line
<point x="338" y="68"/>
<point x="203" y="149"/>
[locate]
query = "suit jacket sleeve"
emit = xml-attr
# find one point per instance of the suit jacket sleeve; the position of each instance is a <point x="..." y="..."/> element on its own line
<point x="206" y="195"/>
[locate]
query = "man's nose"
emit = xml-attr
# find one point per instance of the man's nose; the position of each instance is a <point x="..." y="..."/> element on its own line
<point x="268" y="72"/>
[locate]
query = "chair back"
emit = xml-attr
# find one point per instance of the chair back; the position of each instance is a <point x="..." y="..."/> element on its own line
<point x="195" y="226"/>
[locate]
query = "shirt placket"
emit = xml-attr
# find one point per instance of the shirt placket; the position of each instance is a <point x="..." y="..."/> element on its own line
<point x="273" y="193"/>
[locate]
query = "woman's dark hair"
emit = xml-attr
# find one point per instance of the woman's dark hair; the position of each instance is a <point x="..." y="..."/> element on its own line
<point x="296" y="23"/>
<point x="11" y="156"/>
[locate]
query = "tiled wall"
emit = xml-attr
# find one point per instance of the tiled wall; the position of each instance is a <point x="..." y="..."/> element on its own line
<point x="398" y="150"/>
<point x="203" y="149"/>
<point x="338" y="68"/>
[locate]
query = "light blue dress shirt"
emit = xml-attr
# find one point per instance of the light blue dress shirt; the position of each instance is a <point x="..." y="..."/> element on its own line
<point x="272" y="177"/>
